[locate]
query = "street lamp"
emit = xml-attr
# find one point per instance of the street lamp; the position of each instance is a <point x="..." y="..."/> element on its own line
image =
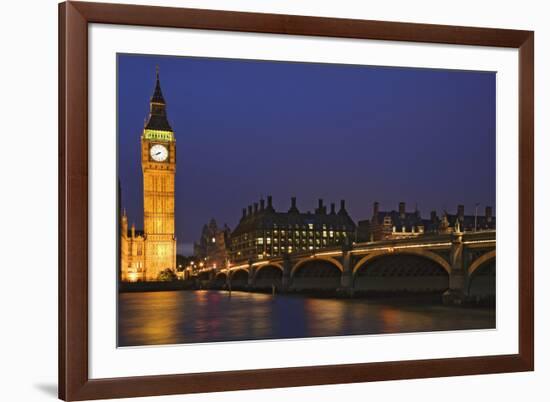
<point x="475" y="218"/>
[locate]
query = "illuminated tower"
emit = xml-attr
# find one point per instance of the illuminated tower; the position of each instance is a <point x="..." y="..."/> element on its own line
<point x="158" y="162"/>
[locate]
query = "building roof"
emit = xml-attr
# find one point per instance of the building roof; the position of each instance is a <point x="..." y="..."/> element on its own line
<point x="267" y="218"/>
<point x="157" y="95"/>
<point x="157" y="114"/>
<point x="469" y="221"/>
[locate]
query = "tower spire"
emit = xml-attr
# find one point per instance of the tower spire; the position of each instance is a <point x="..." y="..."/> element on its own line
<point x="157" y="112"/>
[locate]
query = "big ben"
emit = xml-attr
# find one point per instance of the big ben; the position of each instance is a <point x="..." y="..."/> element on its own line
<point x="158" y="162"/>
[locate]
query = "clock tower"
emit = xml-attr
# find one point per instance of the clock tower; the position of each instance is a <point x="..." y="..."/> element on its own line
<point x="158" y="162"/>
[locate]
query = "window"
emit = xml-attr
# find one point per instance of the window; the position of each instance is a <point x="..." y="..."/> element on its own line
<point x="260" y="240"/>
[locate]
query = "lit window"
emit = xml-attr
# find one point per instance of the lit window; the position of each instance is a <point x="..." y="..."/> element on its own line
<point x="213" y="240"/>
<point x="269" y="240"/>
<point x="324" y="233"/>
<point x="311" y="247"/>
<point x="331" y="233"/>
<point x="260" y="240"/>
<point x="310" y="226"/>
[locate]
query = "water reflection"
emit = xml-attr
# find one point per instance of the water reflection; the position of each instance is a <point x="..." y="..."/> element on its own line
<point x="156" y="318"/>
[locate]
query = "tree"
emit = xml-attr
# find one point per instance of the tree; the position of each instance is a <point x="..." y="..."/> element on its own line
<point x="167" y="275"/>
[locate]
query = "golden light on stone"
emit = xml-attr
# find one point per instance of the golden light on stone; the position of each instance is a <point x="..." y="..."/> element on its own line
<point x="144" y="256"/>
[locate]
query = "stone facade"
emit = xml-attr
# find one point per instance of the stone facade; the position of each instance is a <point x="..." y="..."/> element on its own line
<point x="213" y="246"/>
<point x="263" y="232"/>
<point x="145" y="254"/>
<point x="402" y="224"/>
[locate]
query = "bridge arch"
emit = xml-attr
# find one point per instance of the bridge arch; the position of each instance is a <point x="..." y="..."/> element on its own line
<point x="481" y="279"/>
<point x="220" y="279"/>
<point x="275" y="265"/>
<point x="316" y="274"/>
<point x="421" y="253"/>
<point x="306" y="260"/>
<point x="409" y="271"/>
<point x="237" y="273"/>
<point x="478" y="262"/>
<point x="268" y="275"/>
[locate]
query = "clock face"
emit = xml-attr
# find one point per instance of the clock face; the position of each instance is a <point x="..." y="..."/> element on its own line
<point x="159" y="153"/>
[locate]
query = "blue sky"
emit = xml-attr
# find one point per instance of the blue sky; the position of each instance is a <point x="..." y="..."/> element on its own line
<point x="360" y="133"/>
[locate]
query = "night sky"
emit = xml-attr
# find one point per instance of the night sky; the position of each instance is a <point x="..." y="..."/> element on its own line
<point x="250" y="128"/>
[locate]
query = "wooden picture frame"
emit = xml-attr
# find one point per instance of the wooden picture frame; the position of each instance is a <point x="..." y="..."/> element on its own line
<point x="74" y="381"/>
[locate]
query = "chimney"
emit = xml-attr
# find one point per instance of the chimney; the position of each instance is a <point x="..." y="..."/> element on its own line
<point x="320" y="209"/>
<point x="489" y="213"/>
<point x="342" y="206"/>
<point x="255" y="207"/>
<point x="402" y="209"/>
<point x="460" y="211"/>
<point x="269" y="201"/>
<point x="262" y="204"/>
<point x="332" y="208"/>
<point x="244" y="213"/>
<point x="375" y="207"/>
<point x="249" y="210"/>
<point x="293" y="205"/>
<point x="433" y="216"/>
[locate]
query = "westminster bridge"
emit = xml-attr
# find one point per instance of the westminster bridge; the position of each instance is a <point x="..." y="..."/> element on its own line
<point x="460" y="265"/>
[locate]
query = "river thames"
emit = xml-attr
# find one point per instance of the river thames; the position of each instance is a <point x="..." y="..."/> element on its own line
<point x="175" y="317"/>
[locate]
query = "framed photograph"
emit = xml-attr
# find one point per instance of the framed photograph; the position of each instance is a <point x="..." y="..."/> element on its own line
<point x="259" y="200"/>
